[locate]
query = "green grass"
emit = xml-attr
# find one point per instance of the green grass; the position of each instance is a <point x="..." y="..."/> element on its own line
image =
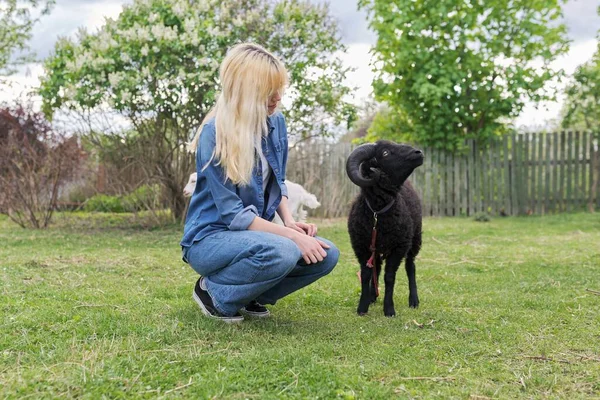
<point x="94" y="307"/>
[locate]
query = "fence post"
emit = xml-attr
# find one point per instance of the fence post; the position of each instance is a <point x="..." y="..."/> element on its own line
<point x="540" y="166"/>
<point x="577" y="174"/>
<point x="456" y="186"/>
<point x="427" y="196"/>
<point x="585" y="161"/>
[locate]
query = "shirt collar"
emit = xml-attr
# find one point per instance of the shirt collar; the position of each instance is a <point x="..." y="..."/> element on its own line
<point x="270" y="124"/>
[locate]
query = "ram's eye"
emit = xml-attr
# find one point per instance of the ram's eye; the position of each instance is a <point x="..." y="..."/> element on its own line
<point x="386" y="153"/>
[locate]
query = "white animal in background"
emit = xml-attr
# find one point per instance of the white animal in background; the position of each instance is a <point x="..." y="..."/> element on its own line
<point x="191" y="185"/>
<point x="298" y="197"/>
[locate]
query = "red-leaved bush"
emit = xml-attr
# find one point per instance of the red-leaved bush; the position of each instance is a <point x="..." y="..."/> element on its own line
<point x="35" y="162"/>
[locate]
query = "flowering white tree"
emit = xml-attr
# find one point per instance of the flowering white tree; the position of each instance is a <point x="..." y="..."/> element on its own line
<point x="157" y="65"/>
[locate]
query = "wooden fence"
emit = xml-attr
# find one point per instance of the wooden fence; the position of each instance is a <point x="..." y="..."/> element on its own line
<point x="532" y="173"/>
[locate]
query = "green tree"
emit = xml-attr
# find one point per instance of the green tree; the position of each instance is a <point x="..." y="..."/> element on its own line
<point x="157" y="66"/>
<point x="582" y="104"/>
<point x="582" y="110"/>
<point x="455" y="69"/>
<point x="16" y="22"/>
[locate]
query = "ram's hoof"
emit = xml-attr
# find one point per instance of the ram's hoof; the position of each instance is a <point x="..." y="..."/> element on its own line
<point x="389" y="311"/>
<point x="413" y="302"/>
<point x="362" y="310"/>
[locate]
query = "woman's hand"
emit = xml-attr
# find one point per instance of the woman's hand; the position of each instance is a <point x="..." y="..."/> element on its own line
<point x="290" y="223"/>
<point x="311" y="248"/>
<point x="310" y="229"/>
<point x="301" y="227"/>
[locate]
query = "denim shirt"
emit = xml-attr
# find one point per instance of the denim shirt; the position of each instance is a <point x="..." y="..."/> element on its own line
<point x="219" y="205"/>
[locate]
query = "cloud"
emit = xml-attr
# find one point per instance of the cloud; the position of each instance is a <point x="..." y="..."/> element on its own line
<point x="582" y="19"/>
<point x="358" y="57"/>
<point x="21" y="84"/>
<point x="65" y="19"/>
<point x="352" y="22"/>
<point x="544" y="112"/>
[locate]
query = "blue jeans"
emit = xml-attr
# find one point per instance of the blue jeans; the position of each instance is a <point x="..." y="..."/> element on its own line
<point x="241" y="266"/>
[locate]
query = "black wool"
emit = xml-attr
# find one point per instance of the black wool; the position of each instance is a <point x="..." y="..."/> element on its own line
<point x="381" y="171"/>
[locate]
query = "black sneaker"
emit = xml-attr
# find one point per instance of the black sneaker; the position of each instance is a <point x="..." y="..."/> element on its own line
<point x="207" y="306"/>
<point x="255" y="309"/>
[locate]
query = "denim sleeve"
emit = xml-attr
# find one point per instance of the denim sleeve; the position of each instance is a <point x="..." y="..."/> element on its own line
<point x="284" y="144"/>
<point x="229" y="205"/>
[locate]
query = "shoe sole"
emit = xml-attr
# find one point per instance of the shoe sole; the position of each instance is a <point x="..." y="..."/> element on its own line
<point x="256" y="314"/>
<point x="227" y="320"/>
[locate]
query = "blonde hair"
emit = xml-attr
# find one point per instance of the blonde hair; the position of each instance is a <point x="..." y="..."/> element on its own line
<point x="249" y="76"/>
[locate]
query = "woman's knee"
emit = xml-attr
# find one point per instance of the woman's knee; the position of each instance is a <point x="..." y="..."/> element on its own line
<point x="280" y="255"/>
<point x="333" y="255"/>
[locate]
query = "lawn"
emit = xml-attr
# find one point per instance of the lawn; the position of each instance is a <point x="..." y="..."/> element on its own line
<point x="97" y="307"/>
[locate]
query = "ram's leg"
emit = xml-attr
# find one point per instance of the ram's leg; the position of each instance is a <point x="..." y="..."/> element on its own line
<point x="391" y="267"/>
<point x="413" y="297"/>
<point x="366" y="274"/>
<point x="378" y="265"/>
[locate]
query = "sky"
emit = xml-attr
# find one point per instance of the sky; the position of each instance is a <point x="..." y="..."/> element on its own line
<point x="580" y="16"/>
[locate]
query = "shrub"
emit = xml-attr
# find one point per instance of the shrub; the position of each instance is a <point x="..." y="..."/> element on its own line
<point x="145" y="197"/>
<point x="482" y="217"/>
<point x="104" y="203"/>
<point x="35" y="164"/>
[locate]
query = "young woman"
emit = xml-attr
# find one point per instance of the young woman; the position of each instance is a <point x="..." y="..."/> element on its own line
<point x="245" y="260"/>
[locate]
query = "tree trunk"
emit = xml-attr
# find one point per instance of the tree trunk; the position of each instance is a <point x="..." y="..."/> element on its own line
<point x="177" y="204"/>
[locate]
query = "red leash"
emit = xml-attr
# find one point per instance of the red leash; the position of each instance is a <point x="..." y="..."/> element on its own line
<point x="371" y="263"/>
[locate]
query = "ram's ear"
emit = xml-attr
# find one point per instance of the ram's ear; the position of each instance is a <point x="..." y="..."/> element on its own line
<point x="376" y="173"/>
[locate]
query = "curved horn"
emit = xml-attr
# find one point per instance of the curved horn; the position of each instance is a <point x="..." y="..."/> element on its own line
<point x="357" y="157"/>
